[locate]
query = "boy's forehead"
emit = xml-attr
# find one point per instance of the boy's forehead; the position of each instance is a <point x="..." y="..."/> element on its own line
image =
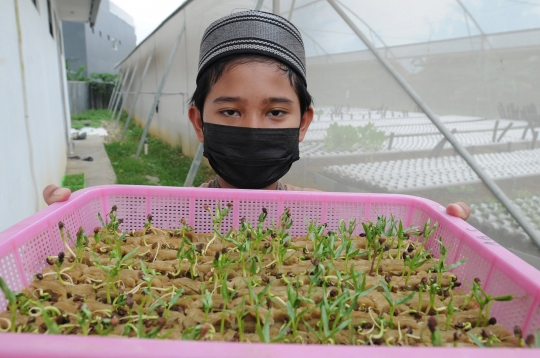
<point x="265" y="77"/>
<point x="253" y="32"/>
<point x="244" y="82"/>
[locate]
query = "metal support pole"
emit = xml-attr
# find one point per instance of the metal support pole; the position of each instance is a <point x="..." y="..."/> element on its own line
<point x="258" y="5"/>
<point x="391" y="141"/>
<point x="275" y="7"/>
<point x="119" y="94"/>
<point x="113" y="94"/>
<point x="436" y="151"/>
<point x="291" y="10"/>
<point x="505" y="131"/>
<point x="117" y="88"/>
<point x="132" y="107"/>
<point x="195" y="164"/>
<point x="497" y="192"/>
<point x="126" y="94"/>
<point x="495" y="131"/>
<point x="526" y="129"/>
<point x="535" y="138"/>
<point x="160" y="89"/>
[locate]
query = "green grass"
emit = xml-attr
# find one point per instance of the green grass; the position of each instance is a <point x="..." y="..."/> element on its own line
<point x="91" y="118"/>
<point x="163" y="161"/>
<point x="73" y="181"/>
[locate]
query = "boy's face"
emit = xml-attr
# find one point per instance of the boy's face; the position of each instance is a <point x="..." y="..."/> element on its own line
<point x="254" y="95"/>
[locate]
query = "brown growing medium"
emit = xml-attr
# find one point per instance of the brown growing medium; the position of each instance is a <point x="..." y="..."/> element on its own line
<point x="382" y="287"/>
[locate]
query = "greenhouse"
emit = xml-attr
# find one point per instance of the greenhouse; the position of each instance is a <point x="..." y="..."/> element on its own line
<point x="379" y="73"/>
<point x="306" y="178"/>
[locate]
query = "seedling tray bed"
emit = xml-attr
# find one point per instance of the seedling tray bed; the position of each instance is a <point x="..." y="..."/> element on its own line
<point x="24" y="247"/>
<point x="315" y="149"/>
<point x="429" y="173"/>
<point x="406" y="127"/>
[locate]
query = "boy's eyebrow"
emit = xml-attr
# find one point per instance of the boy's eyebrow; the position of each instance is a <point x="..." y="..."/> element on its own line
<point x="278" y="100"/>
<point x="229" y="99"/>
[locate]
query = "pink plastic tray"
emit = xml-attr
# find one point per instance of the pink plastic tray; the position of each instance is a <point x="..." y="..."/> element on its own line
<point x="24" y="246"/>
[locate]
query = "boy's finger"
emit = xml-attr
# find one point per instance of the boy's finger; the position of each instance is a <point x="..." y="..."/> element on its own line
<point x="459" y="209"/>
<point x="53" y="193"/>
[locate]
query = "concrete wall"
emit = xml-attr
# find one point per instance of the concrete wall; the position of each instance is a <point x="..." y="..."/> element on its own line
<point x="75" y="44"/>
<point x="94" y="47"/>
<point x="79" y="96"/>
<point x="33" y="119"/>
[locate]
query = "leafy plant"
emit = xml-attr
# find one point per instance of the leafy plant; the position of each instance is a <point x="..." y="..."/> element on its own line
<point x="341" y="138"/>
<point x="76" y="75"/>
<point x="371" y="139"/>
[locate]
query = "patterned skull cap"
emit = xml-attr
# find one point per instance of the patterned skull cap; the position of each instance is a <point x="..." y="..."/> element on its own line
<point x="253" y="32"/>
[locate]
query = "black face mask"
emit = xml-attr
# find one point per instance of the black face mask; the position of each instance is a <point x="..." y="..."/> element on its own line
<point x="250" y="158"/>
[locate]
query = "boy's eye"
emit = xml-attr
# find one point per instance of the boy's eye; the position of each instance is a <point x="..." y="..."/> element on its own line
<point x="276" y="113"/>
<point x="229" y="112"/>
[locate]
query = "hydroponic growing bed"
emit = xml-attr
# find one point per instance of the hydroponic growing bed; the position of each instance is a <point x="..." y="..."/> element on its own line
<point x="408" y="175"/>
<point x="24" y="247"/>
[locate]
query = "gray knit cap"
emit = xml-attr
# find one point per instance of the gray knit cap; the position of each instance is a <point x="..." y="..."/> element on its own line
<point x="253" y="32"/>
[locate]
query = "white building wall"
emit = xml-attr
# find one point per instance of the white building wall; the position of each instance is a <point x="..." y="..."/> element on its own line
<point x="33" y="118"/>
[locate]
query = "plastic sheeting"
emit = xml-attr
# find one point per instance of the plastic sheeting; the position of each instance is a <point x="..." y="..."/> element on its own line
<point x="474" y="63"/>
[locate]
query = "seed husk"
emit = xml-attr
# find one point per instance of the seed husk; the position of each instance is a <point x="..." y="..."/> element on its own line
<point x="432" y="324"/>
<point x="115" y="321"/>
<point x="129" y="300"/>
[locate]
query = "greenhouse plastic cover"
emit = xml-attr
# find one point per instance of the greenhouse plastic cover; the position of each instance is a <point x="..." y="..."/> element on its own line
<point x="474" y="63"/>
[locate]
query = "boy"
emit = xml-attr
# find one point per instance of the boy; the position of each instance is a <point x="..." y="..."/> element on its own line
<point x="251" y="106"/>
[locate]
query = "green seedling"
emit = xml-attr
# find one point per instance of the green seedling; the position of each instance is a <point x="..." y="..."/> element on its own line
<point x="80" y="243"/>
<point x="148" y="274"/>
<point x="112" y="270"/>
<point x="415" y="262"/>
<point x="440" y="268"/>
<point x="240" y="313"/>
<point x="12" y="302"/>
<point x="393" y="303"/>
<point x="217" y="219"/>
<point x="476" y="341"/>
<point x="294" y="299"/>
<point x="427" y="233"/>
<point x="436" y="338"/>
<point x="206" y="302"/>
<point x="485" y="302"/>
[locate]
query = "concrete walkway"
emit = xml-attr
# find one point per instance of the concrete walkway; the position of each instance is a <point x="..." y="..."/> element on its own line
<point x="97" y="172"/>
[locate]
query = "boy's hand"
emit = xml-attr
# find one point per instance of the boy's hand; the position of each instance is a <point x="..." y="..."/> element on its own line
<point x="53" y="193"/>
<point x="459" y="210"/>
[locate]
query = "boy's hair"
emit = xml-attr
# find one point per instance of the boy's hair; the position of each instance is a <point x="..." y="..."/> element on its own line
<point x="211" y="75"/>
